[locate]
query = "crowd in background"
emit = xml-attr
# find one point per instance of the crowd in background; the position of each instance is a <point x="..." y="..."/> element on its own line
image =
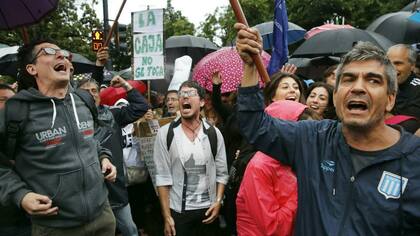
<point x="259" y="194"/>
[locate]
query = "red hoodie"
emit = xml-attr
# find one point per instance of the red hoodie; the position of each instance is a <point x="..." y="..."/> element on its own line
<point x="267" y="199"/>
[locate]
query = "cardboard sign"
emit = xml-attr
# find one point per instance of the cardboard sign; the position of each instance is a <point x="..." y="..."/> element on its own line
<point x="146" y="132"/>
<point x="147" y="21"/>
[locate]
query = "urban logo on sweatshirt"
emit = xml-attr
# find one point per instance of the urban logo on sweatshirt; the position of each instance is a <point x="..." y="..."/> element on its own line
<point x="51" y="137"/>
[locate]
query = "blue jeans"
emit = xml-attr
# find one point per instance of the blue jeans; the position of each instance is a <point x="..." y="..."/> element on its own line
<point x="125" y="222"/>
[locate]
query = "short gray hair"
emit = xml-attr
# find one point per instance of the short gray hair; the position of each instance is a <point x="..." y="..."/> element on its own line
<point x="412" y="55"/>
<point x="364" y="51"/>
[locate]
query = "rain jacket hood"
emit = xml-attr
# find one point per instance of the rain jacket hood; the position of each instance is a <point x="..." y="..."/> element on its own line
<point x="267" y="199"/>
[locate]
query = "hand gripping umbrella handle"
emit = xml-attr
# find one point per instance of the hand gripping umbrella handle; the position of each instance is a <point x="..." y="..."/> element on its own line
<point x="240" y="17"/>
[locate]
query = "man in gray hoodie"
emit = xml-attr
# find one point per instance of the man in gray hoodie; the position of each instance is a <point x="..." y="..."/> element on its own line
<point x="58" y="168"/>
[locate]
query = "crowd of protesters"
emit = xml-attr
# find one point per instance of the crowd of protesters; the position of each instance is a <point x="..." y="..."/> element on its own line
<point x="337" y="157"/>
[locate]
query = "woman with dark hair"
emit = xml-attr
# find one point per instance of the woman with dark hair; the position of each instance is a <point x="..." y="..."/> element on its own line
<point x="284" y="86"/>
<point x="320" y="99"/>
<point x="267" y="199"/>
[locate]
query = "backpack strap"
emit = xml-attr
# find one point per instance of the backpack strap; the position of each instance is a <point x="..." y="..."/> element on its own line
<point x="90" y="103"/>
<point x="16" y="117"/>
<point x="170" y="135"/>
<point x="211" y="133"/>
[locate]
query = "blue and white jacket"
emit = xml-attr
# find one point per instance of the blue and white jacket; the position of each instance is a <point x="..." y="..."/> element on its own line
<point x="334" y="199"/>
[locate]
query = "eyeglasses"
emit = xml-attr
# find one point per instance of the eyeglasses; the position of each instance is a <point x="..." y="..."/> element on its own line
<point x="53" y="51"/>
<point x="189" y="93"/>
<point x="171" y="99"/>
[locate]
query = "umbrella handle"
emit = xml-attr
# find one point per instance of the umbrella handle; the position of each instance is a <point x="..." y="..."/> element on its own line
<point x="108" y="38"/>
<point x="240" y="17"/>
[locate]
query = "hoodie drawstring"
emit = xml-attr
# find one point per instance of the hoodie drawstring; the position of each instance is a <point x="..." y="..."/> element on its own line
<point x="74" y="110"/>
<point x="54" y="113"/>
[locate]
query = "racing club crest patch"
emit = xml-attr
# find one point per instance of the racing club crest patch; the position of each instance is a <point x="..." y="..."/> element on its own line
<point x="391" y="185"/>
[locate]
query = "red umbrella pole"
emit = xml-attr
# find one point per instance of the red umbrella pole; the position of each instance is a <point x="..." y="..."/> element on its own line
<point x="25" y="35"/>
<point x="240" y="17"/>
<point x="115" y="24"/>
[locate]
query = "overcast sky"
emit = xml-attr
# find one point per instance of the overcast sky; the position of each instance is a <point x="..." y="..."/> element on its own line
<point x="194" y="10"/>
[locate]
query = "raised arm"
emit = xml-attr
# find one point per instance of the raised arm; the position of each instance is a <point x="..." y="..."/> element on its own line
<point x="137" y="104"/>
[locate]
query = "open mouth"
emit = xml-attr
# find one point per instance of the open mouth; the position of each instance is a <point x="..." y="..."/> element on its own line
<point x="314" y="107"/>
<point x="357" y="106"/>
<point x="186" y="106"/>
<point x="60" y="67"/>
<point x="291" y="98"/>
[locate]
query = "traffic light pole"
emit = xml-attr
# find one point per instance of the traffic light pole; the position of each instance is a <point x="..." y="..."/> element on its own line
<point x="108" y="64"/>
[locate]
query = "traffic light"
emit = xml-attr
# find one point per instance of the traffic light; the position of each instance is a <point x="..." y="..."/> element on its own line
<point x="97" y="39"/>
<point x="121" y="37"/>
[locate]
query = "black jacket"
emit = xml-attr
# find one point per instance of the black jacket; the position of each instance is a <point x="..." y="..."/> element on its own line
<point x="408" y="97"/>
<point x="111" y="121"/>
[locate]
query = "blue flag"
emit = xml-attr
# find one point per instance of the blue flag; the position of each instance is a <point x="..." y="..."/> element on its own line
<point x="280" y="28"/>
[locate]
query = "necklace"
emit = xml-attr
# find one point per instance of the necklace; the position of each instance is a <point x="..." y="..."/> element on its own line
<point x="192" y="129"/>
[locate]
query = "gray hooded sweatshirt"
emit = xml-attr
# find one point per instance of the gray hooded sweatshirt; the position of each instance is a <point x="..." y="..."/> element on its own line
<point x="57" y="156"/>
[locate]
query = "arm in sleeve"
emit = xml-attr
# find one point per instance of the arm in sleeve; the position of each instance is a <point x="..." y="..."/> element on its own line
<point x="12" y="188"/>
<point x="270" y="217"/>
<point x="161" y="159"/>
<point x="136" y="108"/>
<point x="103" y="152"/>
<point x="275" y="137"/>
<point x="98" y="74"/>
<point x="222" y="110"/>
<point x="222" y="175"/>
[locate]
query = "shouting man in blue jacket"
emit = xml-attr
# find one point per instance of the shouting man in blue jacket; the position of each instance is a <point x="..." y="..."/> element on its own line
<point x="355" y="177"/>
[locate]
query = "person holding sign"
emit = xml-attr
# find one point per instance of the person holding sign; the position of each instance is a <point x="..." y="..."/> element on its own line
<point x="191" y="170"/>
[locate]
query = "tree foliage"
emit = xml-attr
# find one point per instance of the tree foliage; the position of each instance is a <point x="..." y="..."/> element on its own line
<point x="70" y="30"/>
<point x="358" y="13"/>
<point x="306" y="13"/>
<point x="175" y="23"/>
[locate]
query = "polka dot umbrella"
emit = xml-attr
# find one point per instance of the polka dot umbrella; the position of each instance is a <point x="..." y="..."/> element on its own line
<point x="229" y="64"/>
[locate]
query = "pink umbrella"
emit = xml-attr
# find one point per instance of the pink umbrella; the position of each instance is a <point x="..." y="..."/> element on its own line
<point x="325" y="27"/>
<point x="229" y="64"/>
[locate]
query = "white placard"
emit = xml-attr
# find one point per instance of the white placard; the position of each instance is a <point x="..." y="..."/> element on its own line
<point x="149" y="67"/>
<point x="148" y="44"/>
<point x="147" y="21"/>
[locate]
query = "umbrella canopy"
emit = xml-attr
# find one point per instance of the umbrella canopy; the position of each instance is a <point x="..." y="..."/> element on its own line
<point x="325" y="27"/>
<point x="195" y="47"/>
<point x="313" y="68"/>
<point x="294" y="34"/>
<point x="228" y="62"/>
<point x="338" y="42"/>
<point x="8" y="62"/>
<point x="110" y="95"/>
<point x="397" y="27"/>
<point x="410" y="6"/>
<point x="18" y="13"/>
<point x="189" y="41"/>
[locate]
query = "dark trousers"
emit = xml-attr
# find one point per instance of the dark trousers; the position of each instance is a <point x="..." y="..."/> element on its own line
<point x="189" y="223"/>
<point x="103" y="225"/>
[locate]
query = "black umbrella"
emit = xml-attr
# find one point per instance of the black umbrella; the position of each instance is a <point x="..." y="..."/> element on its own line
<point x="397" y="27"/>
<point x="195" y="47"/>
<point x="338" y="42"/>
<point x="294" y="34"/>
<point x="18" y="13"/>
<point x="313" y="68"/>
<point x="8" y="62"/>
